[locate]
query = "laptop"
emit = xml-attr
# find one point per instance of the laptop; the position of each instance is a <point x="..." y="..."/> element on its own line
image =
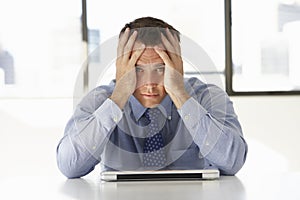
<point x="202" y="174"/>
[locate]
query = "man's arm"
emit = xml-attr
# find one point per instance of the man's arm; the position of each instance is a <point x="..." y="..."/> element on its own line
<point x="208" y="114"/>
<point x="210" y="119"/>
<point x="97" y="115"/>
<point x="173" y="76"/>
<point x="127" y="57"/>
<point x="87" y="133"/>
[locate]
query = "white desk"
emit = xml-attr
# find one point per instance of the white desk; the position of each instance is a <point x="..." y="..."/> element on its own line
<point x="157" y="190"/>
<point x="270" y="187"/>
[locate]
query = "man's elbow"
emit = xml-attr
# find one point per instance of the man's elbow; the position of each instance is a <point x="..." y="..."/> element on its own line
<point x="68" y="171"/>
<point x="71" y="167"/>
<point x="74" y="171"/>
<point x="236" y="164"/>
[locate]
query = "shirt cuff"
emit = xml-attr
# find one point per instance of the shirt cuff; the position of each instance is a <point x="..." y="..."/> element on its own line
<point x="191" y="112"/>
<point x="109" y="113"/>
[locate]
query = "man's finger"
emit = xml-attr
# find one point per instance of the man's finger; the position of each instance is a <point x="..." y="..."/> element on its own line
<point x="164" y="56"/>
<point x="136" y="54"/>
<point x="170" y="36"/>
<point x="129" y="45"/>
<point x="167" y="44"/>
<point x="167" y="60"/>
<point x="170" y="48"/>
<point x="174" y="41"/>
<point x="122" y="41"/>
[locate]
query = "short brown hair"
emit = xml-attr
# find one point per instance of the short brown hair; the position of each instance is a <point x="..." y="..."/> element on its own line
<point x="149" y="30"/>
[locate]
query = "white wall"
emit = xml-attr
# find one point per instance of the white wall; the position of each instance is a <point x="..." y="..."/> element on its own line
<point x="271" y="127"/>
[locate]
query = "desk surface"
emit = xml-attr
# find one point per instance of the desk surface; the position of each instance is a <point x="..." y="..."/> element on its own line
<point x="267" y="187"/>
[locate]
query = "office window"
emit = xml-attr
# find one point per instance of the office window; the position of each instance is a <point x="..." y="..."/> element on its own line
<point x="265" y="46"/>
<point x="41" y="49"/>
<point x="200" y="22"/>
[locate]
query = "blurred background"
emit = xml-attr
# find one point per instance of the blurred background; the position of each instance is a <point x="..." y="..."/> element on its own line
<point x="44" y="46"/>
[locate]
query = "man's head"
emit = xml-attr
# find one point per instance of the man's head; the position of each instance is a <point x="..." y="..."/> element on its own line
<point x="149" y="30"/>
<point x="150" y="67"/>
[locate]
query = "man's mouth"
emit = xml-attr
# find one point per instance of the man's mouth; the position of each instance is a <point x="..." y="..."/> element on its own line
<point x="150" y="95"/>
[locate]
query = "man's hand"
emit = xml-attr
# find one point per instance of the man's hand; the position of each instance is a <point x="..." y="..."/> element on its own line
<point x="125" y="68"/>
<point x="173" y="77"/>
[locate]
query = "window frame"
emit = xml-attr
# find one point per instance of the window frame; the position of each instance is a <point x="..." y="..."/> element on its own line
<point x="228" y="57"/>
<point x="229" y="66"/>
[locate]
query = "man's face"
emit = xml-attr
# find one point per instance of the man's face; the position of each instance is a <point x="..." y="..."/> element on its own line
<point x="150" y="68"/>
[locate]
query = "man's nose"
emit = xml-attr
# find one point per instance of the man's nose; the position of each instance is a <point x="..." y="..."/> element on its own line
<point x="152" y="78"/>
<point x="148" y="78"/>
<point x="149" y="87"/>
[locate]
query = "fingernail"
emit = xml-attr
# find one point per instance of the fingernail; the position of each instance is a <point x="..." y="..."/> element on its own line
<point x="157" y="48"/>
<point x="134" y="33"/>
<point x="142" y="47"/>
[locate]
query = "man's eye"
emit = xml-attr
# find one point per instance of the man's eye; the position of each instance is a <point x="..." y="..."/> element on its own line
<point x="137" y="69"/>
<point x="161" y="69"/>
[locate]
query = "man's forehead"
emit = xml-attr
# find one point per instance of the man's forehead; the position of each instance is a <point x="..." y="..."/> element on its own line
<point x="149" y="56"/>
<point x="149" y="52"/>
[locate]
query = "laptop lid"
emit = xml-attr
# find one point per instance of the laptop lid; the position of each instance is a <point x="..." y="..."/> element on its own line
<point x="203" y="174"/>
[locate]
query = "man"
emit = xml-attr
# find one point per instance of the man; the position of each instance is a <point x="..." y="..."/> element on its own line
<point x="150" y="117"/>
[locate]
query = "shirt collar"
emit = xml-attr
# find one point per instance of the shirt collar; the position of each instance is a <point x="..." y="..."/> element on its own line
<point x="138" y="109"/>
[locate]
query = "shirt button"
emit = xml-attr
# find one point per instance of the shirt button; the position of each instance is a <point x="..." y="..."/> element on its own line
<point x="115" y="119"/>
<point x="186" y="117"/>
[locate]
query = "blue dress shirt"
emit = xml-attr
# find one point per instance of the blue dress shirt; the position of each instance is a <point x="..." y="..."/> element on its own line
<point x="203" y="133"/>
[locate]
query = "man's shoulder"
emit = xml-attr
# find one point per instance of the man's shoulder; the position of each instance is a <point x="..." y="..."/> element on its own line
<point x="103" y="89"/>
<point x="193" y="80"/>
<point x="94" y="98"/>
<point x="196" y="82"/>
<point x="99" y="93"/>
<point x="196" y="86"/>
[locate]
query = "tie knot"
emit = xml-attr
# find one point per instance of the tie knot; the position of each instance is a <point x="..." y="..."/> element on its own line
<point x="152" y="113"/>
